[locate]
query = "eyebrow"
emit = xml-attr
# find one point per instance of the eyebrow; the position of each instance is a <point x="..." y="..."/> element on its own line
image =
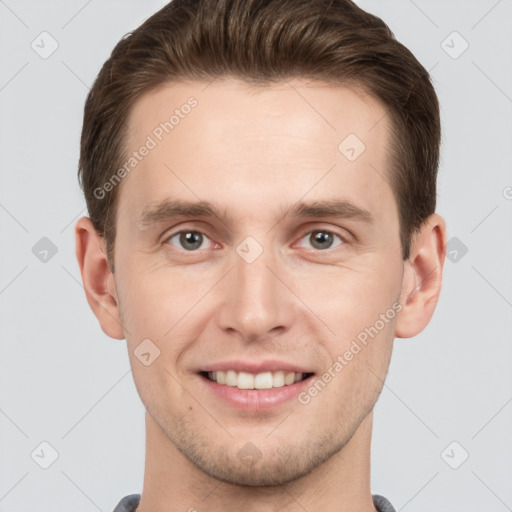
<point x="335" y="208"/>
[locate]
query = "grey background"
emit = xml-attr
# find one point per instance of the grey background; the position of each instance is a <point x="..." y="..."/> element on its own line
<point x="64" y="382"/>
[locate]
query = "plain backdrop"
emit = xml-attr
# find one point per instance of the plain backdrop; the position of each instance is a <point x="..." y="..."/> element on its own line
<point x="443" y="422"/>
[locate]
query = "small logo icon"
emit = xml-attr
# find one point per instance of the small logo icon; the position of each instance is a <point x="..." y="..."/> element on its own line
<point x="44" y="250"/>
<point x="146" y="352"/>
<point x="351" y="147"/>
<point x="507" y="192"/>
<point x="454" y="45"/>
<point x="455" y="249"/>
<point x="44" y="45"/>
<point x="249" y="249"/>
<point x="454" y="455"/>
<point x="44" y="455"/>
<point x="249" y="454"/>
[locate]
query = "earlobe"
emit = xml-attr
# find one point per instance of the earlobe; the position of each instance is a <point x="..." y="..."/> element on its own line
<point x="422" y="279"/>
<point x="98" y="280"/>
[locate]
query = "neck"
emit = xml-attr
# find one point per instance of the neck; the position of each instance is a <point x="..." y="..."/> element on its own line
<point x="172" y="483"/>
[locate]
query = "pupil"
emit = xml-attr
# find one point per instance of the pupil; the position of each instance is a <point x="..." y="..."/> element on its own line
<point x="191" y="237"/>
<point x="322" y="239"/>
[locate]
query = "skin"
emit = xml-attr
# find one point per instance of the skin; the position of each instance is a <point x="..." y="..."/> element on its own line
<point x="253" y="152"/>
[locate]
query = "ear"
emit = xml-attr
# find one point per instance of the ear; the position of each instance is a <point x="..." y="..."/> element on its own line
<point x="423" y="273"/>
<point x="98" y="280"/>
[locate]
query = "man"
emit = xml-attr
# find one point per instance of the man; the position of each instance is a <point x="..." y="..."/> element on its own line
<point x="261" y="183"/>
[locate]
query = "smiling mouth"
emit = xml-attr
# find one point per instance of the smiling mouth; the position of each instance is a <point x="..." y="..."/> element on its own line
<point x="264" y="380"/>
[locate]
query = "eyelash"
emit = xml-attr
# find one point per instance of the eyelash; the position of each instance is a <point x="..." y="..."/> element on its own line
<point x="318" y="230"/>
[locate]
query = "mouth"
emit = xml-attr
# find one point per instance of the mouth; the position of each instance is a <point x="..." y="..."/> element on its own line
<point x="255" y="386"/>
<point x="260" y="381"/>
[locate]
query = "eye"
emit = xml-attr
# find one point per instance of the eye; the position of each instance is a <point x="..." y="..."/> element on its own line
<point x="189" y="240"/>
<point x="321" y="239"/>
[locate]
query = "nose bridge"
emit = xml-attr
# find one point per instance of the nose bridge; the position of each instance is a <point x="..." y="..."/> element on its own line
<point x="257" y="301"/>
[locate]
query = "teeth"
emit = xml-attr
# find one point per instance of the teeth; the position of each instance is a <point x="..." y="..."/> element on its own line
<point x="245" y="381"/>
<point x="277" y="379"/>
<point x="289" y="378"/>
<point x="231" y="378"/>
<point x="265" y="380"/>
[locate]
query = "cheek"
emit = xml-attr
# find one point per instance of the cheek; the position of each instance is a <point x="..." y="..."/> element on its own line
<point x="159" y="389"/>
<point x="154" y="298"/>
<point x="360" y="308"/>
<point x="351" y="299"/>
<point x="171" y="307"/>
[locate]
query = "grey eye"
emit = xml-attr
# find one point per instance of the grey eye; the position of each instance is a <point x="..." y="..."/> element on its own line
<point x="189" y="240"/>
<point x="321" y="239"/>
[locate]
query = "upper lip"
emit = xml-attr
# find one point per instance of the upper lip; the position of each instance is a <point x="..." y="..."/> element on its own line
<point x="270" y="365"/>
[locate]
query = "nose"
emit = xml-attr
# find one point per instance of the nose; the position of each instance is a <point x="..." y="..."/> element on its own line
<point x="257" y="299"/>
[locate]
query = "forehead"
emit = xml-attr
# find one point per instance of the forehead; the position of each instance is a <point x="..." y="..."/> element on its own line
<point x="236" y="142"/>
<point x="294" y="108"/>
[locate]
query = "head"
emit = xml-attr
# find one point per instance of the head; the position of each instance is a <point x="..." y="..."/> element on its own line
<point x="260" y="178"/>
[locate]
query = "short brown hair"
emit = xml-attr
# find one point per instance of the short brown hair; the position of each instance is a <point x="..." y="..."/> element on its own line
<point x="260" y="42"/>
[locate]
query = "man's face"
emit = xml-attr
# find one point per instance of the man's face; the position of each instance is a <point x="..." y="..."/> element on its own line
<point x="254" y="289"/>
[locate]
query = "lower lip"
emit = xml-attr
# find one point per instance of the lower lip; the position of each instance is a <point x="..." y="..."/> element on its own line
<point x="256" y="399"/>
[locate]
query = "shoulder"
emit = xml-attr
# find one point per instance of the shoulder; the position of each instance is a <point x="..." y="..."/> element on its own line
<point x="128" y="503"/>
<point x="382" y="504"/>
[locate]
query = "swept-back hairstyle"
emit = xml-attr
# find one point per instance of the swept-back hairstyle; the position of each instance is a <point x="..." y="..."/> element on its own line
<point x="263" y="42"/>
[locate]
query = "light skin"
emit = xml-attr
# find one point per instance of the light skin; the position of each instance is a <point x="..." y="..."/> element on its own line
<point x="253" y="153"/>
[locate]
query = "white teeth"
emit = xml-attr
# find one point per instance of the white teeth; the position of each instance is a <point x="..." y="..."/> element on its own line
<point x="263" y="380"/>
<point x="289" y="378"/>
<point x="245" y="380"/>
<point x="231" y="378"/>
<point x="277" y="379"/>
